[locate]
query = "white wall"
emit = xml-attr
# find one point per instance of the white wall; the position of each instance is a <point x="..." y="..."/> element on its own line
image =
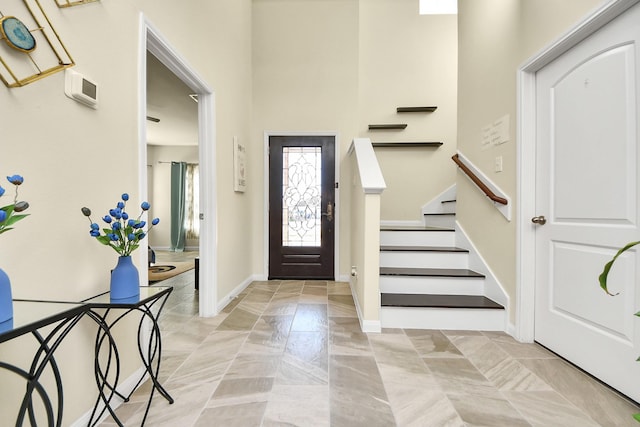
<point x="495" y="37"/>
<point x="72" y="156"/>
<point x="305" y="77"/>
<point x="409" y="60"/>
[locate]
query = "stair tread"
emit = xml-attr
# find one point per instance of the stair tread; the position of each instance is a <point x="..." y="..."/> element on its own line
<point x="414" y="248"/>
<point x="439" y="301"/>
<point x="413" y="228"/>
<point x="448" y="201"/>
<point x="434" y="272"/>
<point x="440" y="213"/>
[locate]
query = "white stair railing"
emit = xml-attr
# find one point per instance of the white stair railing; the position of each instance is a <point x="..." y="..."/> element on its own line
<point x="367" y="187"/>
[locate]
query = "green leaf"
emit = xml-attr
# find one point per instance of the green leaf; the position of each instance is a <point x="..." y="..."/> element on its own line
<point x="636" y="417"/>
<point x="603" y="276"/>
<point x="103" y="239"/>
<point x="14" y="218"/>
<point x="5" y="230"/>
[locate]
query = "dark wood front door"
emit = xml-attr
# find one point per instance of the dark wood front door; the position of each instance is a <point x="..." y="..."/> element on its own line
<point x="301" y="207"/>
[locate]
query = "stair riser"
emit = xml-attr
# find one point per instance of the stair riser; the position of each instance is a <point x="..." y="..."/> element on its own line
<point x="449" y="207"/>
<point x="426" y="259"/>
<point x="447" y="221"/>
<point x="443" y="318"/>
<point x="431" y="285"/>
<point x="417" y="238"/>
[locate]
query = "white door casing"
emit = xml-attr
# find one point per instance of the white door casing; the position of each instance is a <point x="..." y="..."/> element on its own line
<point x="587" y="188"/>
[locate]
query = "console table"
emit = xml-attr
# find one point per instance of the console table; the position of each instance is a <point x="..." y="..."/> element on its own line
<point x="31" y="316"/>
<point x="149" y="303"/>
<point x="28" y="318"/>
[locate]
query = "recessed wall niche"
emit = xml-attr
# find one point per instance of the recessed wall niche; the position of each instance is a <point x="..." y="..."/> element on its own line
<point x="30" y="48"/>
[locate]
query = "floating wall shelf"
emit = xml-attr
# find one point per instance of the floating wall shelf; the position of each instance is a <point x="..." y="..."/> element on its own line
<point x="388" y="126"/>
<point x="416" y="109"/>
<point x="405" y="144"/>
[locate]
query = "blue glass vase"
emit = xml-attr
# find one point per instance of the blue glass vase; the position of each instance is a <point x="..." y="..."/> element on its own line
<point x="125" y="281"/>
<point x="6" y="302"/>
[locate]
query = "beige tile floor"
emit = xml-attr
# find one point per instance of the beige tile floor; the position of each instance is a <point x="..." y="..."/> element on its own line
<point x="291" y="353"/>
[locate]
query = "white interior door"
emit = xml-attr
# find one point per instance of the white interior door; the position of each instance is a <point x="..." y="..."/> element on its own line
<point x="587" y="190"/>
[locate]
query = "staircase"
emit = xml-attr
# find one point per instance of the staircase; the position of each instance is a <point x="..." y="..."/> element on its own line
<point x="425" y="282"/>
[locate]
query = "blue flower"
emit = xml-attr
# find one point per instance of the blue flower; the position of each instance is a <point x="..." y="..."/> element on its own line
<point x="15" y="179"/>
<point x="131" y="223"/>
<point x="113" y="237"/>
<point x="155" y="221"/>
<point x="3" y="215"/>
<point x="95" y="226"/>
<point x="142" y="224"/>
<point x="117" y="213"/>
<point x="125" y="197"/>
<point x="120" y="205"/>
<point x="125" y="216"/>
<point x="141" y="236"/>
<point x="145" y="206"/>
<point x="107" y="219"/>
<point x="1" y="191"/>
<point x="94" y="233"/>
<point x="116" y="226"/>
<point x="131" y="236"/>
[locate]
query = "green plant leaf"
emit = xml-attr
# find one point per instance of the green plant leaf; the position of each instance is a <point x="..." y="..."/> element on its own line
<point x="5" y="230"/>
<point x="603" y="276"/>
<point x="636" y="417"/>
<point x="14" y="218"/>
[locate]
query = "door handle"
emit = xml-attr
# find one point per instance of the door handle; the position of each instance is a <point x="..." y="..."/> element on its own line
<point x="329" y="212"/>
<point x="540" y="220"/>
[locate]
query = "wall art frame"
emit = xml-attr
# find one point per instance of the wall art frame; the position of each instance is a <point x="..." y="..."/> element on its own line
<point x="30" y="47"/>
<point x="239" y="166"/>
<point x="71" y="3"/>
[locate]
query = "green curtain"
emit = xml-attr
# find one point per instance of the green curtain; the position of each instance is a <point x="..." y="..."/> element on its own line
<point x="178" y="173"/>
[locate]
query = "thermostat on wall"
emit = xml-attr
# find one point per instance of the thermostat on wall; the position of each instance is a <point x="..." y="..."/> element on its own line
<point x="78" y="87"/>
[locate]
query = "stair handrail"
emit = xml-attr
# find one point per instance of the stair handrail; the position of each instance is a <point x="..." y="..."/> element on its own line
<point x="485" y="189"/>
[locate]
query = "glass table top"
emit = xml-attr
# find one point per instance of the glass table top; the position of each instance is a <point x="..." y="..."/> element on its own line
<point x="147" y="293"/>
<point x="31" y="315"/>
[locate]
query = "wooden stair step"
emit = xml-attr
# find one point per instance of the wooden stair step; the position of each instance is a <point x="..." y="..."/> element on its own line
<point x="413" y="228"/>
<point x="429" y="272"/>
<point x="408" y="248"/>
<point x="438" y="301"/>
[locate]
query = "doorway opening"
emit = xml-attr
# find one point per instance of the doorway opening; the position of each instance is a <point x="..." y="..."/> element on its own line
<point x="151" y="41"/>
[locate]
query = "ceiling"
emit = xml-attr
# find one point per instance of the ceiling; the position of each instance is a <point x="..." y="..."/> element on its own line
<point x="168" y="100"/>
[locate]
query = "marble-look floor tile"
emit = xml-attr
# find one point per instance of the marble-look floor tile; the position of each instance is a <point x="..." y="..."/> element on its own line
<point x="345" y="337"/>
<point x="298" y="405"/>
<point x="249" y="365"/>
<point x="269" y="335"/>
<point x="341" y="306"/>
<point x="338" y="288"/>
<point x="291" y="287"/>
<point x="431" y="343"/>
<point x="291" y="353"/>
<point x="189" y="401"/>
<point x="497" y="366"/>
<point x="241" y="391"/>
<point x="239" y="320"/>
<point x="310" y="318"/>
<point x="487" y="409"/>
<point x="595" y="399"/>
<point x="458" y="375"/>
<point x="241" y="415"/>
<point x="357" y="394"/>
<point x="547" y="408"/>
<point x="211" y="360"/>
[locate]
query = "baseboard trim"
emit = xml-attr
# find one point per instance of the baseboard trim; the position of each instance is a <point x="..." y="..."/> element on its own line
<point x="373" y="326"/>
<point x="126" y="387"/>
<point x="224" y="301"/>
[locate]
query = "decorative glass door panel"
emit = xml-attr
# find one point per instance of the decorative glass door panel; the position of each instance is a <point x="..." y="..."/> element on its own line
<point x="301" y="196"/>
<point x="301" y="205"/>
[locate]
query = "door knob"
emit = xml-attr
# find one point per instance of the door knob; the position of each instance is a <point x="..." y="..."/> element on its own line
<point x="329" y="213"/>
<point x="540" y="220"/>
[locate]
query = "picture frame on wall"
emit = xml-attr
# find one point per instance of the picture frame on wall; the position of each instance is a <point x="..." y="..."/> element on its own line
<point x="239" y="166"/>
